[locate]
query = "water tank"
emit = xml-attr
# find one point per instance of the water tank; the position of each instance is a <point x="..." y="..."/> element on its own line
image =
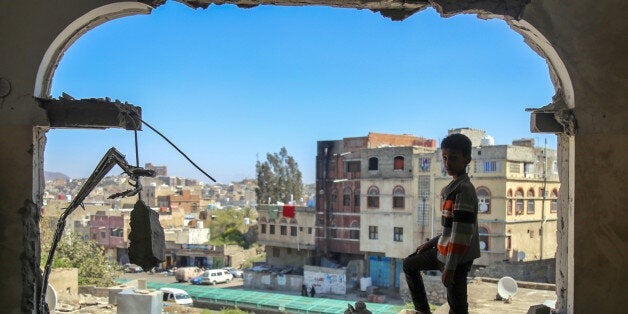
<point x="488" y="140"/>
<point x="365" y="282"/>
<point x="140" y="302"/>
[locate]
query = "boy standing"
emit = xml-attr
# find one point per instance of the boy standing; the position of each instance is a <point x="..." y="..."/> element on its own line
<point x="454" y="250"/>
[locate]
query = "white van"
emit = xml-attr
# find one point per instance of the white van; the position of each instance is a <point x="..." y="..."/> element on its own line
<point x="214" y="276"/>
<point x="176" y="296"/>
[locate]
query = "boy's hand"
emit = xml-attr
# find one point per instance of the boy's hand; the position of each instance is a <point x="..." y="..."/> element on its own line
<point x="447" y="277"/>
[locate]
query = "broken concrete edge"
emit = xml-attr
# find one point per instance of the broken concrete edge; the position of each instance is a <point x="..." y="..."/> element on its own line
<point x="396" y="10"/>
<point x="522" y="284"/>
<point x="67" y="112"/>
<point x="30" y="257"/>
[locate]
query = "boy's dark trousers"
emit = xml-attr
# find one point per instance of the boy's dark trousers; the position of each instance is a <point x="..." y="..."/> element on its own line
<point x="426" y="260"/>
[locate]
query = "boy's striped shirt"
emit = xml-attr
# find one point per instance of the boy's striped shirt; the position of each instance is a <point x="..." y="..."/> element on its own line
<point x="459" y="242"/>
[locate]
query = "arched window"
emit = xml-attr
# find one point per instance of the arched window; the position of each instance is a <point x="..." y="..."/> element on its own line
<point x="509" y="202"/>
<point x="334" y="197"/>
<point x="484" y="241"/>
<point x="333" y="231"/>
<point x="399" y="197"/>
<point x="372" y="200"/>
<point x="519" y="202"/>
<point x="346" y="197"/>
<point x="398" y="163"/>
<point x="530" y="201"/>
<point x="484" y="200"/>
<point x="354" y="233"/>
<point x="293" y="222"/>
<point x="554" y="199"/>
<point x="373" y="163"/>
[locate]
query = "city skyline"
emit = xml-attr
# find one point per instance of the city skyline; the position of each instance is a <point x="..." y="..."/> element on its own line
<point x="228" y="88"/>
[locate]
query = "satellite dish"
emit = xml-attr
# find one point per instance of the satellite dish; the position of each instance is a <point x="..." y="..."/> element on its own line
<point x="483" y="207"/>
<point x="521" y="255"/>
<point x="51" y="298"/>
<point x="506" y="288"/>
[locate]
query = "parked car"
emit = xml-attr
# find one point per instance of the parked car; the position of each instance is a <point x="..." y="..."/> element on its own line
<point x="236" y="273"/>
<point x="214" y="276"/>
<point x="186" y="273"/>
<point x="131" y="268"/>
<point x="176" y="296"/>
<point x="195" y="280"/>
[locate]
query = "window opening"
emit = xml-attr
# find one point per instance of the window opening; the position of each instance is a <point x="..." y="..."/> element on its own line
<point x="346" y="197"/>
<point x="398" y="163"/>
<point x="373" y="198"/>
<point x="373" y="234"/>
<point x="484" y="241"/>
<point x="484" y="200"/>
<point x="373" y="164"/>
<point x="398" y="198"/>
<point x="530" y="201"/>
<point x="398" y="234"/>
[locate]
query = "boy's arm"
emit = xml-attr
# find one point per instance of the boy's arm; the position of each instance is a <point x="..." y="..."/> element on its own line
<point x="463" y="227"/>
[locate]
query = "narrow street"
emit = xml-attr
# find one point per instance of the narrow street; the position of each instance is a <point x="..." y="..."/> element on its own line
<point x="163" y="278"/>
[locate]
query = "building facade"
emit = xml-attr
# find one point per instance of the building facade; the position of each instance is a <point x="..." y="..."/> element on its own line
<point x="288" y="234"/>
<point x="517" y="188"/>
<point x="341" y="198"/>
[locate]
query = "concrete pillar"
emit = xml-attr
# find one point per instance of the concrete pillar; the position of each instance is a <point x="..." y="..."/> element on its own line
<point x="16" y="168"/>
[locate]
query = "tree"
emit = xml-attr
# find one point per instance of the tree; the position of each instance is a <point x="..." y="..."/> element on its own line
<point x="73" y="251"/>
<point x="278" y="178"/>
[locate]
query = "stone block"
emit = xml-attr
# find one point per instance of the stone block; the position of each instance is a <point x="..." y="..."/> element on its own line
<point x="539" y="309"/>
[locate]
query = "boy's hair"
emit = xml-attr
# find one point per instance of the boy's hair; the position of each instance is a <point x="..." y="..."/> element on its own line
<point x="458" y="142"/>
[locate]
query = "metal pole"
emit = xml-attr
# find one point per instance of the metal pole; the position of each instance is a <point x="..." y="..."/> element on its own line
<point x="544" y="196"/>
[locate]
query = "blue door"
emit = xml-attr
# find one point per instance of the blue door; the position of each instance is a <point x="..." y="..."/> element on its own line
<point x="398" y="269"/>
<point x="379" y="268"/>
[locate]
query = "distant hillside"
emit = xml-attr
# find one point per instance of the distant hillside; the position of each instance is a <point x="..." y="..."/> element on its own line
<point x="55" y="175"/>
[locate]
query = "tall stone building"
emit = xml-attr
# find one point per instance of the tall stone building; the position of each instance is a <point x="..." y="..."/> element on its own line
<point x="517" y="188"/>
<point x="339" y="169"/>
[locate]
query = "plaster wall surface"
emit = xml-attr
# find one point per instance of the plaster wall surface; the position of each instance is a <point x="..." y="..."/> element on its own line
<point x="268" y="281"/>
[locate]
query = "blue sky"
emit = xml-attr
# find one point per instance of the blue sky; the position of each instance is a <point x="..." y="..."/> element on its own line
<point x="228" y="85"/>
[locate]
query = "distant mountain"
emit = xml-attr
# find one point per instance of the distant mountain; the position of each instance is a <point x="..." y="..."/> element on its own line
<point x="55" y="175"/>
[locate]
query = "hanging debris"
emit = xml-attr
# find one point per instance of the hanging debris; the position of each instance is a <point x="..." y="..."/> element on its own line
<point x="148" y="243"/>
<point x="112" y="158"/>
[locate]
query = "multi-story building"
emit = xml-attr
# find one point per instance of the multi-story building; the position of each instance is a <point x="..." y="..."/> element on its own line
<point x="517" y="188"/>
<point x="183" y="198"/>
<point x="339" y="168"/>
<point x="109" y="230"/>
<point x="397" y="187"/>
<point x="288" y="236"/>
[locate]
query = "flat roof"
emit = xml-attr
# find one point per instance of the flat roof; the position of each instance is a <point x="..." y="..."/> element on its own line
<point x="271" y="301"/>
